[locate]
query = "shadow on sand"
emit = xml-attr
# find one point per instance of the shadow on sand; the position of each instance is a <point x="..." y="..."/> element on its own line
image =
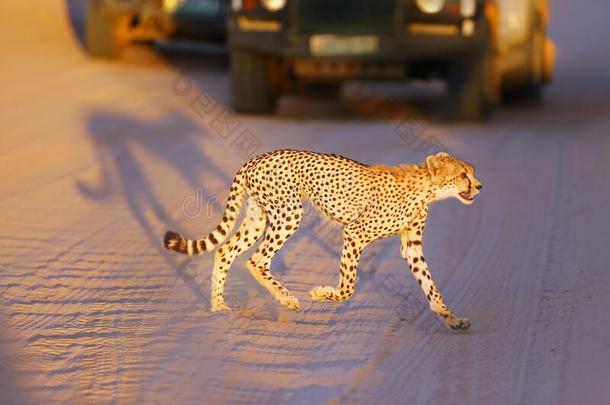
<point x="171" y="139"/>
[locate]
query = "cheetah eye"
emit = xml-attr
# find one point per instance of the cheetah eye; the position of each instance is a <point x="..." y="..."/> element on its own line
<point x="464" y="175"/>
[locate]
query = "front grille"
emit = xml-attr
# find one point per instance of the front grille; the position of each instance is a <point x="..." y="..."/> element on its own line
<point x="347" y="17"/>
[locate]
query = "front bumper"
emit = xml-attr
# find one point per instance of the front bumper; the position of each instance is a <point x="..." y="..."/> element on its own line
<point x="390" y="58"/>
<point x="274" y="40"/>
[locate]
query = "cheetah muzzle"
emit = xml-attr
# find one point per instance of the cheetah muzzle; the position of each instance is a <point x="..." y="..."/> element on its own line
<point x="466" y="196"/>
<point x="370" y="202"/>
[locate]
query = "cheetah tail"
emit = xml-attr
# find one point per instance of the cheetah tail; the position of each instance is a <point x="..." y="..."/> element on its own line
<point x="173" y="241"/>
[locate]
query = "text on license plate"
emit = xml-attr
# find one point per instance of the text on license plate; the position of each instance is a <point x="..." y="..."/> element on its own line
<point x="326" y="45"/>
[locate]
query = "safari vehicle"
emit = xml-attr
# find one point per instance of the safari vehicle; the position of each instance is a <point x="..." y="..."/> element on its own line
<point x="112" y="24"/>
<point x="479" y="47"/>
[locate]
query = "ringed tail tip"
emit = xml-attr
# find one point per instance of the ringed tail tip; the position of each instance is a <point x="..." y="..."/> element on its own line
<point x="171" y="240"/>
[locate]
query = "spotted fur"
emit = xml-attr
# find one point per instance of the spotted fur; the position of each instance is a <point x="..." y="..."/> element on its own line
<point x="371" y="202"/>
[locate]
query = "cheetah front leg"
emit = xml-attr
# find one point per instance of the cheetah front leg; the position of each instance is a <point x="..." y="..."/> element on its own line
<point x="411" y="250"/>
<point x="352" y="248"/>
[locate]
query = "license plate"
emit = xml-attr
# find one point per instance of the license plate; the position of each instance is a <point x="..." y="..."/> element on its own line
<point x="328" y="45"/>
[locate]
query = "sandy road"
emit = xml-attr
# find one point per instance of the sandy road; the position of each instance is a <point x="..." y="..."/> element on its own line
<point x="98" y="159"/>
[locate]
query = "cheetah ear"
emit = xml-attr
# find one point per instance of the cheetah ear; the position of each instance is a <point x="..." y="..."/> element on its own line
<point x="433" y="163"/>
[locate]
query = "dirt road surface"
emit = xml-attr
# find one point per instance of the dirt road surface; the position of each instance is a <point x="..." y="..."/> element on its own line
<point x="99" y="158"/>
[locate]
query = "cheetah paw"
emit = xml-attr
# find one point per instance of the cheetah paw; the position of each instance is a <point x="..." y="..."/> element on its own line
<point x="220" y="306"/>
<point x="459" y="324"/>
<point x="290" y="302"/>
<point x="322" y="293"/>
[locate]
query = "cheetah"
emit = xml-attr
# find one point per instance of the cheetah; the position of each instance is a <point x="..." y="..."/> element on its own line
<point x="370" y="201"/>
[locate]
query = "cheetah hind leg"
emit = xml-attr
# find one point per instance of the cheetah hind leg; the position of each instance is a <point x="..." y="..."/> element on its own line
<point x="278" y="232"/>
<point x="250" y="231"/>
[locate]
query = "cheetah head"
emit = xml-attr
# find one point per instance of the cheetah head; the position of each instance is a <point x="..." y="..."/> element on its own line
<point x="452" y="177"/>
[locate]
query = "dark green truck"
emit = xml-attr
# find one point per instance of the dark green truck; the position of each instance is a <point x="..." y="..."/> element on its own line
<point x="277" y="45"/>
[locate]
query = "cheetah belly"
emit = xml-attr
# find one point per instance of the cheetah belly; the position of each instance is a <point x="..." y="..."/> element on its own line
<point x="334" y="198"/>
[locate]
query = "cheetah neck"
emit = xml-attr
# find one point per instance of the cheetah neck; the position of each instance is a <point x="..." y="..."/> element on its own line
<point x="416" y="183"/>
<point x="433" y="191"/>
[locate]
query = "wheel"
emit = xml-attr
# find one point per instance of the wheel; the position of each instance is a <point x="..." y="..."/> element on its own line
<point x="104" y="33"/>
<point x="473" y="82"/>
<point x="253" y="89"/>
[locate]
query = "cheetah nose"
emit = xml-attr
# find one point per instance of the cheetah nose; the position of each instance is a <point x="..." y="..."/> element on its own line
<point x="478" y="186"/>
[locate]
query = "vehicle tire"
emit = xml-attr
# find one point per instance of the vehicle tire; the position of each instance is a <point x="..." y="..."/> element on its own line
<point x="103" y="32"/>
<point x="473" y="83"/>
<point x="253" y="90"/>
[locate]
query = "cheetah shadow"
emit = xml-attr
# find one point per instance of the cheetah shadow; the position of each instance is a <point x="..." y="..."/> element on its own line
<point x="172" y="139"/>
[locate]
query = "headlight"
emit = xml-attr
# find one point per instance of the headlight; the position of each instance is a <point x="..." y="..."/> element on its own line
<point x="273" y="5"/>
<point x="430" y="6"/>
